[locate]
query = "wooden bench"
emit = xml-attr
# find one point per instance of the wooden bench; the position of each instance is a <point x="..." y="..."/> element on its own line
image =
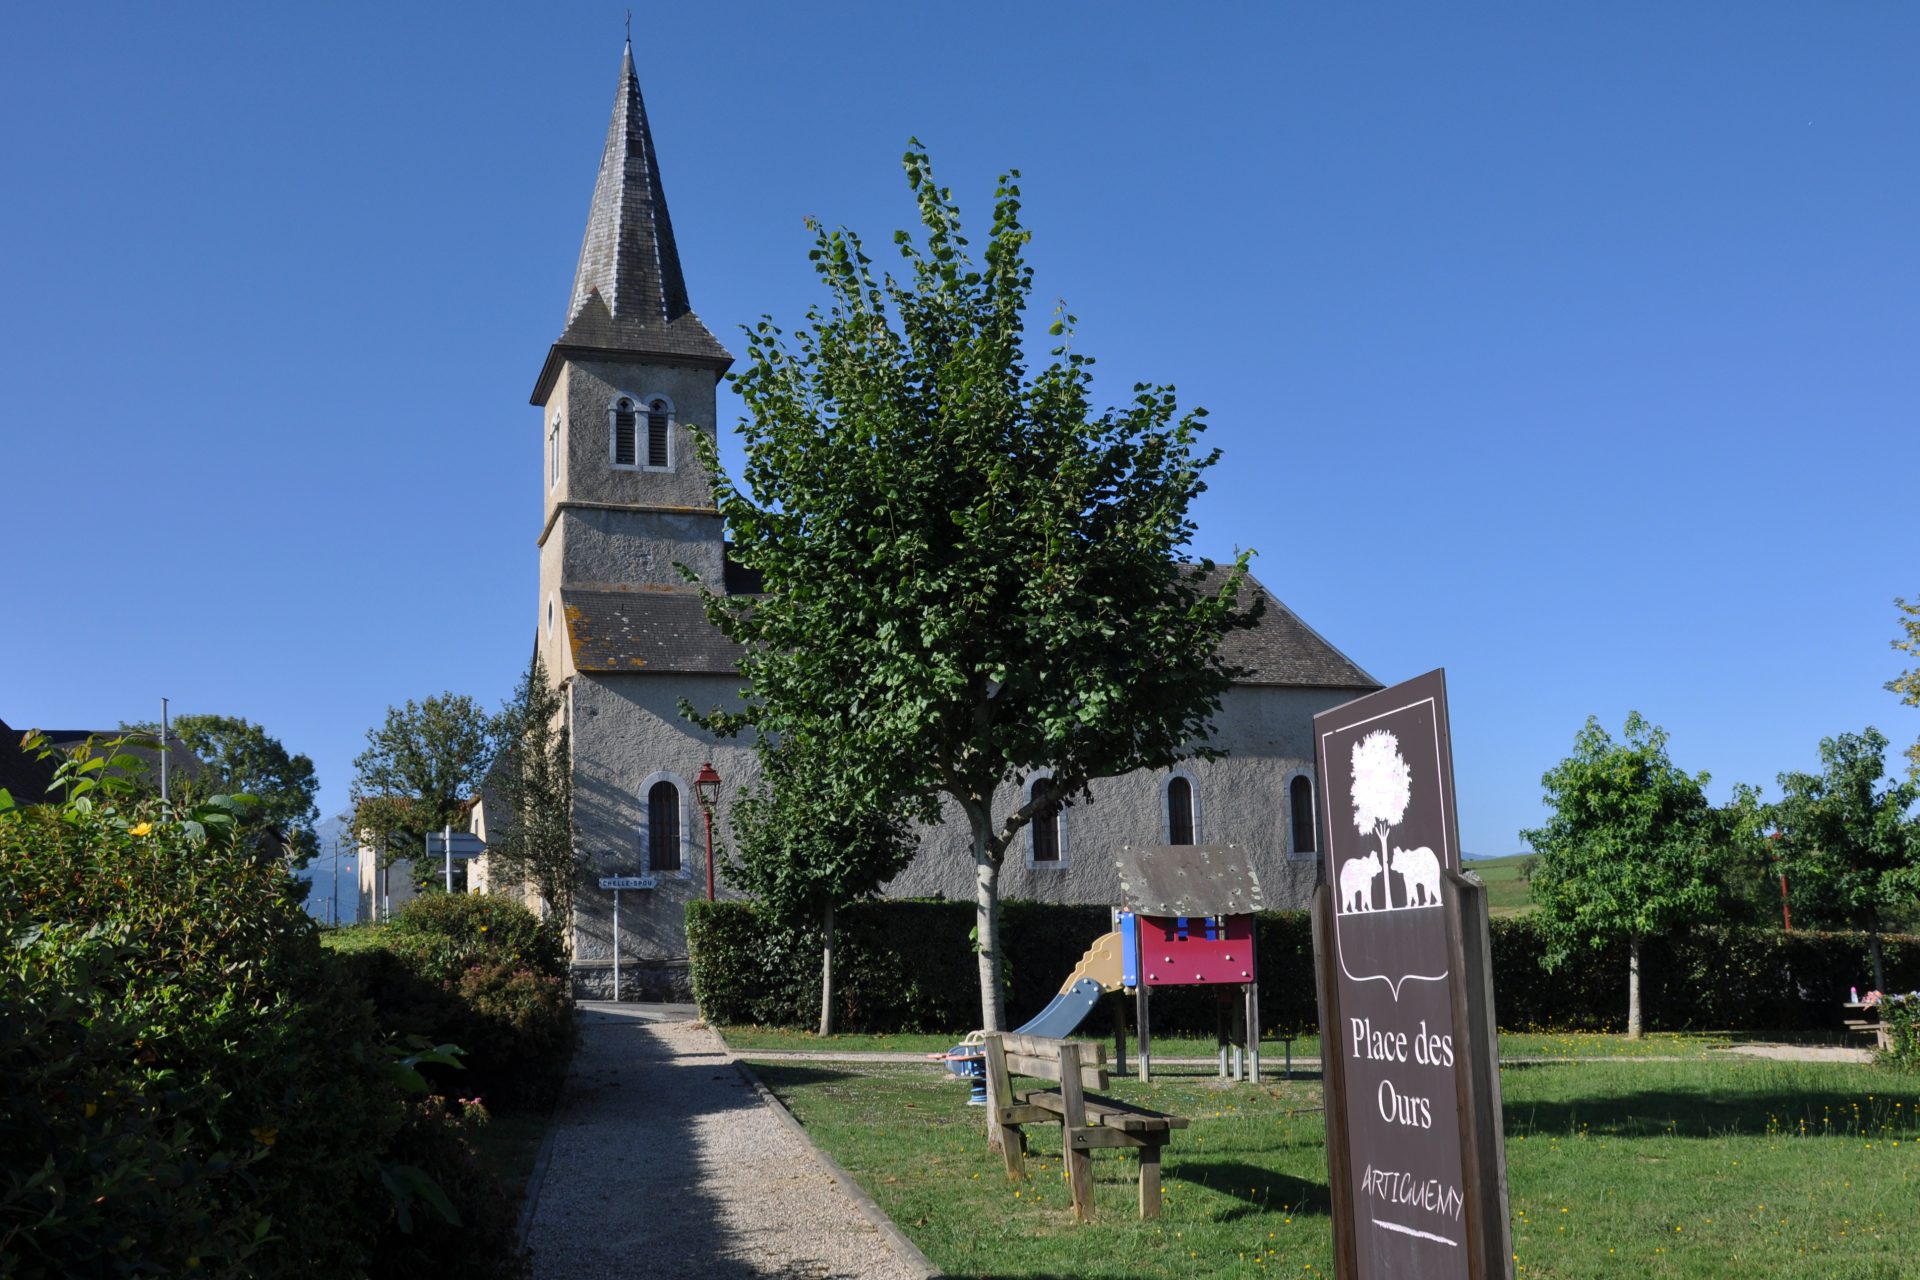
<point x="1864" y="1026"/>
<point x="1086" y="1120"/>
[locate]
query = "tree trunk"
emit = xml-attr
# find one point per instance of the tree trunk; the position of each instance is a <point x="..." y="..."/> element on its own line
<point x="1633" y="987"/>
<point x="986" y="921"/>
<point x="1873" y="948"/>
<point x="826" y="975"/>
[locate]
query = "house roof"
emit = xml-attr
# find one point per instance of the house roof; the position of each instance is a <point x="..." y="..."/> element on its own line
<point x="629" y="294"/>
<point x="665" y="630"/>
<point x="23" y="776"/>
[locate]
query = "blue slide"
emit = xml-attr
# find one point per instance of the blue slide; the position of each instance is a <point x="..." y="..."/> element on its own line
<point x="1057" y="1021"/>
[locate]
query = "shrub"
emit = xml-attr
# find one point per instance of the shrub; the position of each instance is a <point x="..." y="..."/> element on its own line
<point x="445" y="934"/>
<point x="1901" y="1014"/>
<point x="483" y="1244"/>
<point x="181" y="1088"/>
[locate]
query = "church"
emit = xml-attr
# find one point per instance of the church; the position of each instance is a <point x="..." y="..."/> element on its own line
<point x="626" y="639"/>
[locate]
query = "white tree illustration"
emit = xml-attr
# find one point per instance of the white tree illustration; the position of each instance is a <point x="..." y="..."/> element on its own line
<point x="1382" y="786"/>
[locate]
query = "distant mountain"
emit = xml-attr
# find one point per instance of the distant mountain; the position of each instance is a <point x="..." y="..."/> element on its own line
<point x="319" y="873"/>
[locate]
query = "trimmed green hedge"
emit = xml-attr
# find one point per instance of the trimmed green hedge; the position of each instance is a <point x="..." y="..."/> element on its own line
<point x="909" y="966"/>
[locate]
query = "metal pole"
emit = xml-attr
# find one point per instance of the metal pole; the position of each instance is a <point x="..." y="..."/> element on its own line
<point x="616" y="946"/>
<point x="709" y="812"/>
<point x="333" y="907"/>
<point x="447" y="836"/>
<point x="163" y="751"/>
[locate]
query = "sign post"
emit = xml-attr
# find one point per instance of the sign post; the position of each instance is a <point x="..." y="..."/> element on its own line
<point x="1416" y="1158"/>
<point x="617" y="883"/>
<point x="451" y="844"/>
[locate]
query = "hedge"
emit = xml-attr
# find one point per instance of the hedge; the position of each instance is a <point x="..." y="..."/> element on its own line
<point x="909" y="966"/>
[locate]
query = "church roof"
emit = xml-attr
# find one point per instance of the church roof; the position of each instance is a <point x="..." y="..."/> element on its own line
<point x="629" y="295"/>
<point x="656" y="630"/>
<point x="1283" y="650"/>
<point x="665" y="630"/>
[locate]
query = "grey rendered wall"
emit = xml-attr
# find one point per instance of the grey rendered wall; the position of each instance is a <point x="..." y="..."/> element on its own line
<point x="586" y="392"/>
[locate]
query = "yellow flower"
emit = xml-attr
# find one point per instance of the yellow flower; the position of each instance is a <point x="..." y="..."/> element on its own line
<point x="265" y="1136"/>
<point x="140" y="829"/>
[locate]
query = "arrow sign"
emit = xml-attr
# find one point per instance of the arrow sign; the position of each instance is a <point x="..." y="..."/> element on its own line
<point x="465" y="845"/>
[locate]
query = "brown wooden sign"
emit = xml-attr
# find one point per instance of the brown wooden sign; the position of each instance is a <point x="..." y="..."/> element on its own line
<point x="1416" y="1160"/>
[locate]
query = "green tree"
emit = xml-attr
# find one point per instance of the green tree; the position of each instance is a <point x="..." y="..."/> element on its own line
<point x="421" y="764"/>
<point x="971" y="573"/>
<point x="1849" y="844"/>
<point x="242" y="758"/>
<point x="1907" y="683"/>
<point x="532" y="840"/>
<point x="806" y="847"/>
<point x="1632" y="848"/>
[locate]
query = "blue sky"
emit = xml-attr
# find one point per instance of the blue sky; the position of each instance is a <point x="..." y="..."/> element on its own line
<point x="1572" y="349"/>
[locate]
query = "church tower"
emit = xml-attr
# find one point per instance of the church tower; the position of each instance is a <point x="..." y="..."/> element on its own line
<point x="626" y="497"/>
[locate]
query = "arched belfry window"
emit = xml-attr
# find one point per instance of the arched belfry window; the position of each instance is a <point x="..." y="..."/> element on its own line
<point x="1300" y="802"/>
<point x="661" y="836"/>
<point x="1180" y="813"/>
<point x="659" y="439"/>
<point x="626" y="432"/>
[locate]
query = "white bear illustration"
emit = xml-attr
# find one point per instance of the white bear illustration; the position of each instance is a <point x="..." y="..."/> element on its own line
<point x="1420" y="870"/>
<point x="1356" y="883"/>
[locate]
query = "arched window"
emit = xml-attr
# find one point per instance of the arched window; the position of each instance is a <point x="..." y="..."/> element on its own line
<point x="553" y="454"/>
<point x="626" y="437"/>
<point x="1300" y="801"/>
<point x="1179" y="799"/>
<point x="663" y="826"/>
<point x="1047" y="829"/>
<point x="658" y="415"/>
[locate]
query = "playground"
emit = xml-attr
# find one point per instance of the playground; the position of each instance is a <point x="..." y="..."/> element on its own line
<point x="1712" y="1165"/>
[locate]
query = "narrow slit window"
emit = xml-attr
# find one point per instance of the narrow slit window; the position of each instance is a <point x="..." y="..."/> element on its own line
<point x="1046" y="826"/>
<point x="625" y="438"/>
<point x="1300" y="794"/>
<point x="657" y="434"/>
<point x="1179" y="811"/>
<point x="663" y="827"/>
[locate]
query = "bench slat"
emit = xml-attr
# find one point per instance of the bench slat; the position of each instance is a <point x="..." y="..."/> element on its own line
<point x="1091" y="1053"/>
<point x="1021" y="1064"/>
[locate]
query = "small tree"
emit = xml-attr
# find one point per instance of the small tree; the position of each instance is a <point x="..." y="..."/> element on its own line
<point x="807" y="847"/>
<point x="971" y="574"/>
<point x="421" y="764"/>
<point x="533" y="780"/>
<point x="1907" y="683"/>
<point x="1848" y="842"/>
<point x="1629" y="852"/>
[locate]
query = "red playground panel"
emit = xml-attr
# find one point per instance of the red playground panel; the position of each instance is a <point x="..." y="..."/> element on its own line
<point x="1181" y="951"/>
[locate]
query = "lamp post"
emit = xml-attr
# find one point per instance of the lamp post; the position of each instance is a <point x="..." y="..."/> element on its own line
<point x="706" y="789"/>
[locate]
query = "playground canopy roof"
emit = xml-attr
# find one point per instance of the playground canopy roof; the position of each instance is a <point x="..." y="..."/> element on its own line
<point x="1187" y="880"/>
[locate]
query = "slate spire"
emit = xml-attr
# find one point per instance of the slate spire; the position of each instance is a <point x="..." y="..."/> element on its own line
<point x="628" y="292"/>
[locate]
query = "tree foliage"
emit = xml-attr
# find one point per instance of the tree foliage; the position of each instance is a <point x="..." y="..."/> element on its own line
<point x="1850" y="845"/>
<point x="1907" y="683"/>
<point x="532" y="841"/>
<point x="421" y="763"/>
<point x="971" y="573"/>
<point x="1631" y="849"/>
<point x="240" y="757"/>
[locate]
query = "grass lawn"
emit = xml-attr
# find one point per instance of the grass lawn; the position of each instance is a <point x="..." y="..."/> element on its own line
<point x="1709" y="1168"/>
<point x="1513" y="1044"/>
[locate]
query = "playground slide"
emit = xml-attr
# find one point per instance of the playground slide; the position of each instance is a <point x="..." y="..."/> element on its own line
<point x="1097" y="973"/>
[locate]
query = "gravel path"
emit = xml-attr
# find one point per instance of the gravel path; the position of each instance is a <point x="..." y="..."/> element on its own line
<point x="663" y="1162"/>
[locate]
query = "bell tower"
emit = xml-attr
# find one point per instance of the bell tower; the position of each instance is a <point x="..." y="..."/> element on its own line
<point x="626" y="498"/>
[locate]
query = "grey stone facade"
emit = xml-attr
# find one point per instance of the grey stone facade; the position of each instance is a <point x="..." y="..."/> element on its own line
<point x="624" y="637"/>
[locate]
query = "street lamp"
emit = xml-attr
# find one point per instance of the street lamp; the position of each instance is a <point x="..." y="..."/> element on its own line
<point x="706" y="789"/>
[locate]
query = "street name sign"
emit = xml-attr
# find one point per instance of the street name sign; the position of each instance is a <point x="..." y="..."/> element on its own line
<point x="629" y="882"/>
<point x="1416" y="1159"/>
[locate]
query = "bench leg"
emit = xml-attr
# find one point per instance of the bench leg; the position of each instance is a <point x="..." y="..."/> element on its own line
<point x="1013" y="1148"/>
<point x="1079" y="1178"/>
<point x="1150" y="1180"/>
